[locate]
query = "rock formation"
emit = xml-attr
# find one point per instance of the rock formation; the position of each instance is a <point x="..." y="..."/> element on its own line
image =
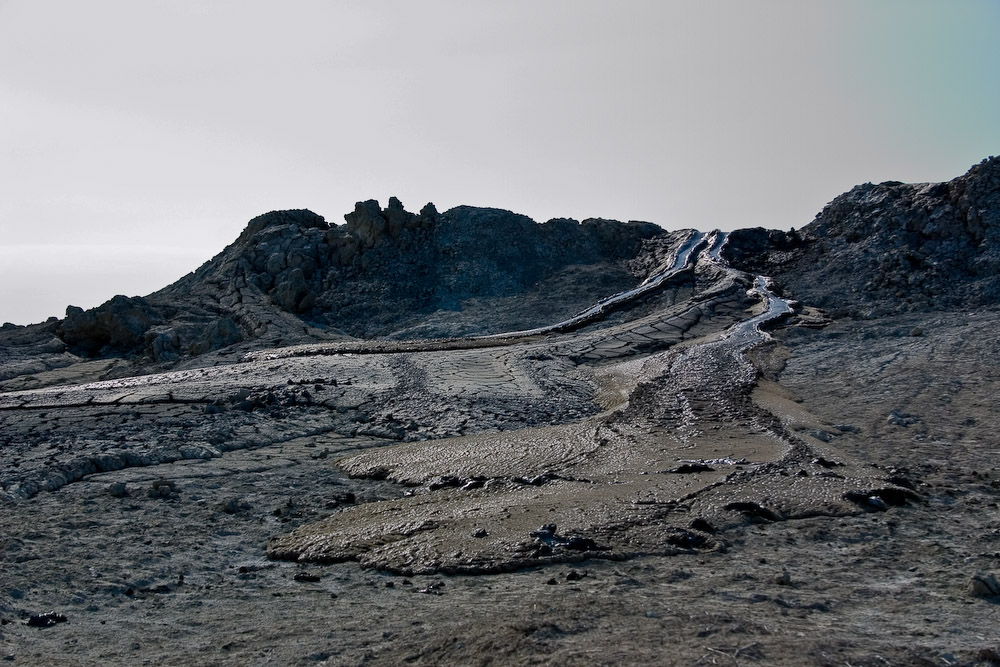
<point x="890" y="248"/>
<point x="291" y="277"/>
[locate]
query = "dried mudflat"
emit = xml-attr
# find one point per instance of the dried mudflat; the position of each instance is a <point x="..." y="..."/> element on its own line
<point x="648" y="491"/>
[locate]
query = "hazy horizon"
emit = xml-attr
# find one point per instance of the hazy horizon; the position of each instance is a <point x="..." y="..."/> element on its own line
<point x="139" y="138"/>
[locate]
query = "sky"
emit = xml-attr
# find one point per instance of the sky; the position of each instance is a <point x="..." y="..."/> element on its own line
<point x="138" y="137"/>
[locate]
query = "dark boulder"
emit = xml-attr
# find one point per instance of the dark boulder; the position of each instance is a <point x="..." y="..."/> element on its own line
<point x="299" y="218"/>
<point x="119" y="325"/>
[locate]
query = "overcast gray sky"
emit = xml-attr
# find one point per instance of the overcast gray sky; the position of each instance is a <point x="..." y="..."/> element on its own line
<point x="137" y="137"/>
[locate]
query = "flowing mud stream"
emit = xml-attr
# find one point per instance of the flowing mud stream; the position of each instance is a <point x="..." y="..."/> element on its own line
<point x="679" y="453"/>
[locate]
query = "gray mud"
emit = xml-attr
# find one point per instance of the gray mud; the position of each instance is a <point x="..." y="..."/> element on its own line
<point x="652" y="490"/>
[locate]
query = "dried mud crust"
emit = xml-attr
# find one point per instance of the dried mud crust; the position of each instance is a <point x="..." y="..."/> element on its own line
<point x="685" y="456"/>
<point x="623" y="547"/>
<point x="182" y="578"/>
<point x="63" y="433"/>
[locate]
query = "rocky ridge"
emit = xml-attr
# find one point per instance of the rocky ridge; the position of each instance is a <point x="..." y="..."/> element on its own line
<point x="890" y="248"/>
<point x="291" y="277"/>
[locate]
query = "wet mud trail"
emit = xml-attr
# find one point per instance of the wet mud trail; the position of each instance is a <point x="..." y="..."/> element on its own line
<point x="679" y="453"/>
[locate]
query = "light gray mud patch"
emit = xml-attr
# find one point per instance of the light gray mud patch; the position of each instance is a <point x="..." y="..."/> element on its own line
<point x="52" y="437"/>
<point x="681" y="453"/>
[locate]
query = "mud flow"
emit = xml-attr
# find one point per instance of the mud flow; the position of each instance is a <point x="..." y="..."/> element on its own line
<point x="660" y="465"/>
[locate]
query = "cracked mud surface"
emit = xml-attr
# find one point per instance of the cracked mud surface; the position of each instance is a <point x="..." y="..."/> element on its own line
<point x="789" y="549"/>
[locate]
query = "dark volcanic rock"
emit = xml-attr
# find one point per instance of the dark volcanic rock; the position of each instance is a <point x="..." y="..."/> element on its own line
<point x="120" y="325"/>
<point x="890" y="248"/>
<point x="291" y="278"/>
<point x="301" y="218"/>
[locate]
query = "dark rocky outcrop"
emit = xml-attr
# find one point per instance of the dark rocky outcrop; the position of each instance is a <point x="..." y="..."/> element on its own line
<point x="291" y="277"/>
<point x="119" y="325"/>
<point x="890" y="248"/>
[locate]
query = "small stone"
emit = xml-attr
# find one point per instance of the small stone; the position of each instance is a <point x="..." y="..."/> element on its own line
<point x="433" y="589"/>
<point x="783" y="579"/>
<point x="46" y="620"/>
<point x="898" y="418"/>
<point x="990" y="655"/>
<point x="547" y="529"/>
<point x="118" y="490"/>
<point x="984" y="586"/>
<point x="480" y="533"/>
<point x="162" y="488"/>
<point x="878" y="503"/>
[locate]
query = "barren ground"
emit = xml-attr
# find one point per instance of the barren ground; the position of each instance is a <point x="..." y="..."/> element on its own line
<point x="147" y="573"/>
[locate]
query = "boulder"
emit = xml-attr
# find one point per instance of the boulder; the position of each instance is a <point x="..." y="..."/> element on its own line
<point x="118" y="325"/>
<point x="163" y="344"/>
<point x="366" y="223"/>
<point x="289" y="291"/>
<point x="299" y="218"/>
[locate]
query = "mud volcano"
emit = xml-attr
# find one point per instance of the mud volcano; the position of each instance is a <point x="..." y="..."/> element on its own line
<point x="467" y="438"/>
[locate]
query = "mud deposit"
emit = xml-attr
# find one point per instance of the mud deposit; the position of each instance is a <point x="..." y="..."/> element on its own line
<point x="700" y="477"/>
